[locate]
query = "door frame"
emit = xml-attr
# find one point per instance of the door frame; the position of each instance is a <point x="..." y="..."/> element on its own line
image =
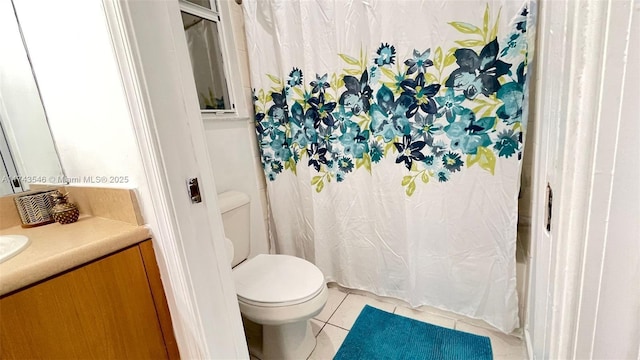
<point x="193" y="319"/>
<point x="568" y="113"/>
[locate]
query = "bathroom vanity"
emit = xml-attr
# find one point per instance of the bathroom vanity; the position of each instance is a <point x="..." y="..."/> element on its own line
<point x="90" y="289"/>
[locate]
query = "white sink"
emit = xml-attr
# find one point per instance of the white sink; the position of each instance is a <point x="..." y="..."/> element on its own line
<point x="12" y="245"/>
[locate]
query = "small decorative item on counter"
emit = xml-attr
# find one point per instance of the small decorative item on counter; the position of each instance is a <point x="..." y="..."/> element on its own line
<point x="35" y="208"/>
<point x="63" y="211"/>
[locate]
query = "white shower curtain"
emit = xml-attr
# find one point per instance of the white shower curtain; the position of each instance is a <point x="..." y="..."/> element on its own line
<point x="391" y="134"/>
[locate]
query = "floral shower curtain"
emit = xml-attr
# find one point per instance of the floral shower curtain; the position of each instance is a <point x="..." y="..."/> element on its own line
<point x="391" y="133"/>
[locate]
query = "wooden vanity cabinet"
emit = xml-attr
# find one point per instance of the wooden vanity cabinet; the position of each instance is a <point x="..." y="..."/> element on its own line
<point x="111" y="308"/>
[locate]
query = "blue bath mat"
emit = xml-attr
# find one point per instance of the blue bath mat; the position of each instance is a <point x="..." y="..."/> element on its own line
<point x="377" y="334"/>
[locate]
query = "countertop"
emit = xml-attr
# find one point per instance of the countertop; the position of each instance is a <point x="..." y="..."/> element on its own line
<point x="56" y="248"/>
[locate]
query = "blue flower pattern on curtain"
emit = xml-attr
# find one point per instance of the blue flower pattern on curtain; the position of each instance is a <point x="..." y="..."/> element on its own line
<point x="433" y="124"/>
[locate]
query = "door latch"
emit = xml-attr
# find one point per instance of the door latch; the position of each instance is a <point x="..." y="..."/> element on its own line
<point x="549" y="208"/>
<point x="194" y="190"/>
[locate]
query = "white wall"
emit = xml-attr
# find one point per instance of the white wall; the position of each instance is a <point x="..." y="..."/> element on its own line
<point x="232" y="143"/>
<point x="22" y="114"/>
<point x="234" y="167"/>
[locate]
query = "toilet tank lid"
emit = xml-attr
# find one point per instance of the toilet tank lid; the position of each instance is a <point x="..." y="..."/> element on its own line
<point x="230" y="200"/>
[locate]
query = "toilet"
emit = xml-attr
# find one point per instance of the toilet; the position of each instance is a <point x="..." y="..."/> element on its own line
<point x="280" y="292"/>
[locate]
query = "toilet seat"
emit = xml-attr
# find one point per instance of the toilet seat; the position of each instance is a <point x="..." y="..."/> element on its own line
<point x="277" y="280"/>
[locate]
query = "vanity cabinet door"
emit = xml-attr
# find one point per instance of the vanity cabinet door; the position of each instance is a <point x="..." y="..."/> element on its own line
<point x="102" y="310"/>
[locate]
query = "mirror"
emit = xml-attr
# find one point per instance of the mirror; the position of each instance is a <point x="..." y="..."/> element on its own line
<point x="27" y="152"/>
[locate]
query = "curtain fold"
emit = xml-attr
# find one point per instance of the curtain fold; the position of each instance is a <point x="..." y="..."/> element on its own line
<point x="391" y="134"/>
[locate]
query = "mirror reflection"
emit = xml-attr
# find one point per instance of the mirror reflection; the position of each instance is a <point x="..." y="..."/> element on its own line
<point x="203" y="40"/>
<point x="27" y="152"/>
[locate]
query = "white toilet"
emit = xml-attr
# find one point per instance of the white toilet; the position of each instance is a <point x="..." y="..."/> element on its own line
<point x="281" y="292"/>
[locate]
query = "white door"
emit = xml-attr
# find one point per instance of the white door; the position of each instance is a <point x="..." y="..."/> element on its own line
<point x="550" y="59"/>
<point x="149" y="42"/>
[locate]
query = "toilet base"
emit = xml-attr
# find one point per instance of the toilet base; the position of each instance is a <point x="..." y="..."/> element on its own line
<point x="289" y="341"/>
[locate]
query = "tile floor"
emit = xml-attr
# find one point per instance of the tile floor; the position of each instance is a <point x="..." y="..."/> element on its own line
<point x="332" y="325"/>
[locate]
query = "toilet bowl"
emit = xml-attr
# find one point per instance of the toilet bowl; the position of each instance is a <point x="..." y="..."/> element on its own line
<point x="280" y="292"/>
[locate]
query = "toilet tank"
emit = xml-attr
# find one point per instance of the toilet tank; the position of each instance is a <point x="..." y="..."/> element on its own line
<point x="236" y="219"/>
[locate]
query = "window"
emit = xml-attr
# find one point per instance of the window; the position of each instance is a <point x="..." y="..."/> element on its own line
<point x="204" y="3"/>
<point x="202" y="26"/>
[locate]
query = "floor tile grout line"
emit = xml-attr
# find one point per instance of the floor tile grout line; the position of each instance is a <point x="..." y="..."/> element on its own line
<point x="316" y="337"/>
<point x="339" y="327"/>
<point x="324" y="324"/>
<point x="345" y="298"/>
<point x="334" y="311"/>
<point x="337" y="307"/>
